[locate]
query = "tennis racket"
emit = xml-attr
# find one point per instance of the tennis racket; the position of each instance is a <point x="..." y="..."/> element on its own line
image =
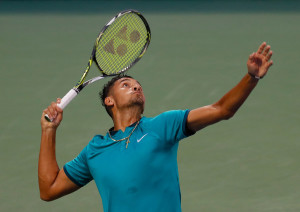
<point x="121" y="43"/>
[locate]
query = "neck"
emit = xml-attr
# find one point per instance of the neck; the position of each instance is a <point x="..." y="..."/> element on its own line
<point x="125" y="118"/>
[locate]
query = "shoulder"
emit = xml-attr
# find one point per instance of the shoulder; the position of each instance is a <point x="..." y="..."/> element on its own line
<point x="167" y="117"/>
<point x="171" y="114"/>
<point x="95" y="142"/>
<point x="169" y="126"/>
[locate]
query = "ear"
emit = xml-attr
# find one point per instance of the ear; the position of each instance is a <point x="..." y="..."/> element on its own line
<point x="109" y="101"/>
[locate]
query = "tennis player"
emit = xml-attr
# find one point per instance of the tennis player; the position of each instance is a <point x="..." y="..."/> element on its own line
<point x="135" y="164"/>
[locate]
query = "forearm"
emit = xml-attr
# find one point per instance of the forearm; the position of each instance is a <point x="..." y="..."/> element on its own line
<point x="48" y="168"/>
<point x="258" y="64"/>
<point x="232" y="100"/>
<point x="53" y="182"/>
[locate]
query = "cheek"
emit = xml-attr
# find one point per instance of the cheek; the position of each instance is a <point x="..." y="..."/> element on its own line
<point x="120" y="98"/>
<point x="143" y="98"/>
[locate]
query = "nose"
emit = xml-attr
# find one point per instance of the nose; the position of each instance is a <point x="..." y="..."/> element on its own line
<point x="137" y="87"/>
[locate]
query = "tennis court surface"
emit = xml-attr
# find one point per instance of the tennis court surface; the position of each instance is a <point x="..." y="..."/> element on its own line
<point x="198" y="52"/>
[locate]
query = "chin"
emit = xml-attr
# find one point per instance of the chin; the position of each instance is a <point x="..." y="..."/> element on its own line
<point x="139" y="104"/>
<point x="138" y="100"/>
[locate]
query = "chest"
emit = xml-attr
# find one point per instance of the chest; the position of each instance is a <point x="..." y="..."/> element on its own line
<point x="146" y="155"/>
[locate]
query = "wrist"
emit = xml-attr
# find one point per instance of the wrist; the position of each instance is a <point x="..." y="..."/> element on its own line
<point x="49" y="130"/>
<point x="254" y="76"/>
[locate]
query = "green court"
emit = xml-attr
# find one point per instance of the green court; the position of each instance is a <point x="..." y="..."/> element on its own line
<point x="197" y="53"/>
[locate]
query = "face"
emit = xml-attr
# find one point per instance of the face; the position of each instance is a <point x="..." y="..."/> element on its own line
<point x="127" y="92"/>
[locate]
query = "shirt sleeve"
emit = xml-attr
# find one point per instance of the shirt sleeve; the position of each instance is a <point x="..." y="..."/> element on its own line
<point x="171" y="125"/>
<point x="77" y="170"/>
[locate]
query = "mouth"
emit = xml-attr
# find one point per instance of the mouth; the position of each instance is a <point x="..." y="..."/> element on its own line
<point x="138" y="95"/>
<point x="136" y="92"/>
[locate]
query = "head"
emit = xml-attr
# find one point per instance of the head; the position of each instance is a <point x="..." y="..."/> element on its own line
<point x="122" y="91"/>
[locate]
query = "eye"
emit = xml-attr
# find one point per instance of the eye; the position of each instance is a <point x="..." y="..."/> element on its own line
<point x="125" y="85"/>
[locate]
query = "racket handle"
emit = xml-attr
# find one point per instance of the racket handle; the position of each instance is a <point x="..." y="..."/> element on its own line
<point x="67" y="98"/>
<point x="64" y="101"/>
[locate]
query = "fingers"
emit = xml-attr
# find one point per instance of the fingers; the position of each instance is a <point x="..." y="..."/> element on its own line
<point x="269" y="64"/>
<point x="53" y="110"/>
<point x="269" y="55"/>
<point x="252" y="56"/>
<point x="259" y="62"/>
<point x="261" y="47"/>
<point x="58" y="100"/>
<point x="53" y="113"/>
<point x="265" y="50"/>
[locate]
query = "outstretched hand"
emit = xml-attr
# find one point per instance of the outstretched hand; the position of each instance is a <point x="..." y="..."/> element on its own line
<point x="259" y="62"/>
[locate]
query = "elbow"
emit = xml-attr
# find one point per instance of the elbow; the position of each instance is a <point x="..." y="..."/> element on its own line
<point x="47" y="193"/>
<point x="228" y="115"/>
<point x="222" y="113"/>
<point x="46" y="197"/>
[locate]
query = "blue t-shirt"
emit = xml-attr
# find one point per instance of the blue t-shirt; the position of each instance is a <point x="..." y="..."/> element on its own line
<point x="142" y="177"/>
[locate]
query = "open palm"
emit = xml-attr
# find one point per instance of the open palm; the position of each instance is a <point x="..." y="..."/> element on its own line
<point x="259" y="62"/>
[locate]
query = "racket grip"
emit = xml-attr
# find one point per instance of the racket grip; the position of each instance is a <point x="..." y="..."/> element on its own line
<point x="64" y="101"/>
<point x="67" y="98"/>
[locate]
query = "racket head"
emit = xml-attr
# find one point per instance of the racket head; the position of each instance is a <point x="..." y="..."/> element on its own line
<point x="122" y="42"/>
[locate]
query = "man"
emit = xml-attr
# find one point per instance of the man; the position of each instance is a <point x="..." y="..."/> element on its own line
<point x="135" y="164"/>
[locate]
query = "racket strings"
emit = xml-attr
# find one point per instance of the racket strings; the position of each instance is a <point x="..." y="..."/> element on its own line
<point x="121" y="44"/>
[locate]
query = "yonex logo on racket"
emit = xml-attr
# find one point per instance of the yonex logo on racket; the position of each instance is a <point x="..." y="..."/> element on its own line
<point x="121" y="50"/>
<point x="129" y="32"/>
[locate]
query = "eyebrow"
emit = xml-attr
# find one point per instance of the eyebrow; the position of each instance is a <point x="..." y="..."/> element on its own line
<point x="124" y="79"/>
<point x="128" y="79"/>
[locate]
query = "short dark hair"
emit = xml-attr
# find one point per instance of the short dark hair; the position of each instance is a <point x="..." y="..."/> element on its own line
<point x="106" y="88"/>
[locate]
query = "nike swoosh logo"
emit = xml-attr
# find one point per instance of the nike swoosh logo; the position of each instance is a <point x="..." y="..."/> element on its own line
<point x="138" y="140"/>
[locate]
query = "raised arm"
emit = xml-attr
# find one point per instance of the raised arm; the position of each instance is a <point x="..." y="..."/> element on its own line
<point x="53" y="182"/>
<point x="258" y="64"/>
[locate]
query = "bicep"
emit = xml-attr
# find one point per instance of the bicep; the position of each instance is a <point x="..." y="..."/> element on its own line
<point x="61" y="186"/>
<point x="202" y="117"/>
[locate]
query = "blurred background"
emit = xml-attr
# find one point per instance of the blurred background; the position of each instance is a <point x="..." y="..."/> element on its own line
<point x="197" y="53"/>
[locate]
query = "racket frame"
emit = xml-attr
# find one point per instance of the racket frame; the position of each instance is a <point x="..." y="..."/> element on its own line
<point x="81" y="84"/>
